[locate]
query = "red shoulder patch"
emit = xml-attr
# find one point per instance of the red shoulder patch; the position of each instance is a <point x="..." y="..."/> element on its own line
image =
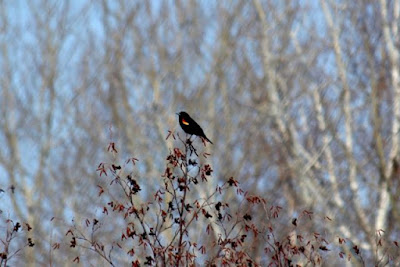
<point x="184" y="122"/>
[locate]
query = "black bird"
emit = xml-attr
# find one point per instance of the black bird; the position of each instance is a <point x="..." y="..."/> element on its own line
<point x="191" y="127"/>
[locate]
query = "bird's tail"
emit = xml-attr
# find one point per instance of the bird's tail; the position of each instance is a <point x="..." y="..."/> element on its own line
<point x="205" y="137"/>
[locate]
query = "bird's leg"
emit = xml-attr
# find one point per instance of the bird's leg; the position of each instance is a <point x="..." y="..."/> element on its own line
<point x="188" y="139"/>
<point x="190" y="145"/>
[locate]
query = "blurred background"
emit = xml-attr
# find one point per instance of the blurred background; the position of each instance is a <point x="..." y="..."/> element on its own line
<point x="300" y="98"/>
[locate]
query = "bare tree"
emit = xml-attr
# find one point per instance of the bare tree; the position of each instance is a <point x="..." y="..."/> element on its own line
<point x="302" y="102"/>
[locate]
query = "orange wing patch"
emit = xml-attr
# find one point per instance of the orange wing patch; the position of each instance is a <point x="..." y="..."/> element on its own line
<point x="185" y="122"/>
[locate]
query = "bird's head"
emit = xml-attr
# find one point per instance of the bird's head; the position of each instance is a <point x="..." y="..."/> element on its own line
<point x="183" y="114"/>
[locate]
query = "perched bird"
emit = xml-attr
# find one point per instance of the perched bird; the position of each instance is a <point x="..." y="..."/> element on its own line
<point x="189" y="126"/>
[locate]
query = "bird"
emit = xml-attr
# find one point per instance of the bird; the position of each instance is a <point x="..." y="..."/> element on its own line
<point x="191" y="127"/>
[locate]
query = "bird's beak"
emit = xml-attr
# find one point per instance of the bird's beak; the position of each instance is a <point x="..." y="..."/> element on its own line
<point x="177" y="114"/>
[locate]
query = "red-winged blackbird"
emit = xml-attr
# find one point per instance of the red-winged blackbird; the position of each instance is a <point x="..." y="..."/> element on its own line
<point x="191" y="127"/>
